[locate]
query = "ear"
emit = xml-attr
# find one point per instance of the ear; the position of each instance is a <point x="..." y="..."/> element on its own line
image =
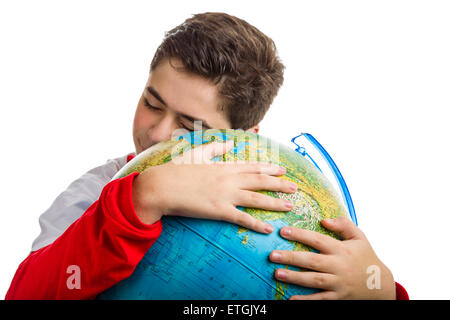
<point x="254" y="129"/>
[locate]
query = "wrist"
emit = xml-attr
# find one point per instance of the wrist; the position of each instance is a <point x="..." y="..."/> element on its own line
<point x="389" y="284"/>
<point x="144" y="200"/>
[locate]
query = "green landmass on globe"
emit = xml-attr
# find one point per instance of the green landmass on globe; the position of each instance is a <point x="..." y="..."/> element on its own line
<point x="204" y="259"/>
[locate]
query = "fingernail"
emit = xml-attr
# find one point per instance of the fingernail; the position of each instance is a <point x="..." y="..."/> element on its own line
<point x="281" y="274"/>
<point x="268" y="228"/>
<point x="293" y="186"/>
<point x="282" y="169"/>
<point x="289" y="204"/>
<point x="285" y="231"/>
<point x="276" y="256"/>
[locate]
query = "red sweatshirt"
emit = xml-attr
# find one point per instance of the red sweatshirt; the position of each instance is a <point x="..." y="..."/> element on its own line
<point x="102" y="248"/>
<point x="98" y="250"/>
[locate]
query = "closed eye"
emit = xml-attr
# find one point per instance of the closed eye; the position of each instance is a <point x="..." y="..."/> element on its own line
<point x="148" y="105"/>
<point x="152" y="107"/>
<point x="187" y="127"/>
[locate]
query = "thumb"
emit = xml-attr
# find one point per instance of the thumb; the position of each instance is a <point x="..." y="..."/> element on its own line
<point x="343" y="227"/>
<point x="214" y="149"/>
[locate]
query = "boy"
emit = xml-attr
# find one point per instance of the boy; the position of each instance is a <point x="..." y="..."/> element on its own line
<point x="220" y="70"/>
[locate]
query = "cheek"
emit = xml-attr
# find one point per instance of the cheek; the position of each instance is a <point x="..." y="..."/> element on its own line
<point x="143" y="119"/>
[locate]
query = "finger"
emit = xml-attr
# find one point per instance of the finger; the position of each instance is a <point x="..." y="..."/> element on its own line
<point x="344" y="227"/>
<point x="323" y="243"/>
<point x="266" y="182"/>
<point x="214" y="149"/>
<point x="309" y="260"/>
<point x="245" y="220"/>
<point x="318" y="280"/>
<point x="258" y="200"/>
<point x="324" y="295"/>
<point x="259" y="167"/>
<point x="204" y="153"/>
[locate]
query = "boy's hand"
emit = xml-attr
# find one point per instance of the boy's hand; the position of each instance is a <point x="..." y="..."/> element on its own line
<point x="341" y="267"/>
<point x="192" y="185"/>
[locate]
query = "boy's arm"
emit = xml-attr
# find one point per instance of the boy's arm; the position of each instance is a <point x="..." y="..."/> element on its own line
<point x="113" y="235"/>
<point x="98" y="250"/>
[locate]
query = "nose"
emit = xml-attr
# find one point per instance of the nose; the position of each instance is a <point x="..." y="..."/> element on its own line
<point x="162" y="130"/>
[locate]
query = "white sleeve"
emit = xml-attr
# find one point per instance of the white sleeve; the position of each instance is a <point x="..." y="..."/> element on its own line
<point x="74" y="201"/>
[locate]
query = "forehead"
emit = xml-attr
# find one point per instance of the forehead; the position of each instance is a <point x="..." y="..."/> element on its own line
<point x="187" y="93"/>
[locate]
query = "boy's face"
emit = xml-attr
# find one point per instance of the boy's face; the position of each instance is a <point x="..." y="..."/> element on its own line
<point x="174" y="100"/>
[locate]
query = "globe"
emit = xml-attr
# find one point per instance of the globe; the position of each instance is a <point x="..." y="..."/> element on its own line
<point x="196" y="259"/>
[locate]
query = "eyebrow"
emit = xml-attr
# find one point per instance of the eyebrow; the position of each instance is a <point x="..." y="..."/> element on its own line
<point x="157" y="96"/>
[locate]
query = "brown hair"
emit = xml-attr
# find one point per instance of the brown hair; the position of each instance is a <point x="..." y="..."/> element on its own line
<point x="236" y="56"/>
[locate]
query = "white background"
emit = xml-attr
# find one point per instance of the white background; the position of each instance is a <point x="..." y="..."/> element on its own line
<point x="369" y="79"/>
